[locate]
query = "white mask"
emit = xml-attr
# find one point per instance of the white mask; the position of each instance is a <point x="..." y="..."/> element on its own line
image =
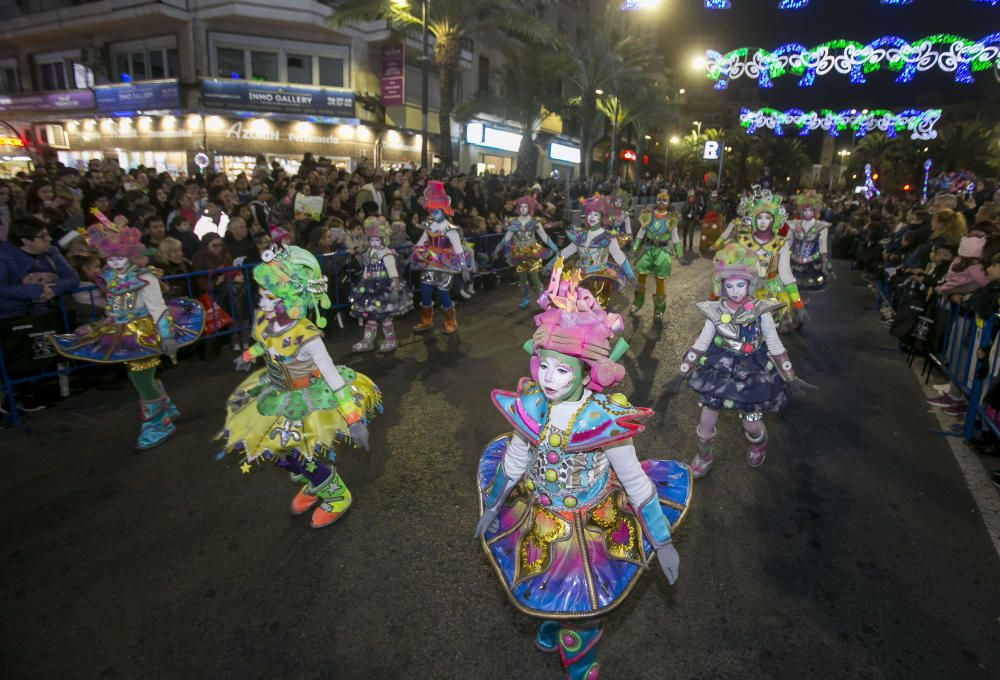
<point x="736" y="290"/>
<point x="556" y="378"/>
<point x="118" y="263"/>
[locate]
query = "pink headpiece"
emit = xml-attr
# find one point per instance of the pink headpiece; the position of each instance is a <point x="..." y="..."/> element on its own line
<point x="116" y="240"/>
<point x="436" y="198"/>
<point x="574" y="324"/>
<point x="529" y="201"/>
<point x="597" y="203"/>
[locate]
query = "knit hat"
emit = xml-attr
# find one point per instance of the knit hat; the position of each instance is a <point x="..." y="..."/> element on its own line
<point x="971" y="246"/>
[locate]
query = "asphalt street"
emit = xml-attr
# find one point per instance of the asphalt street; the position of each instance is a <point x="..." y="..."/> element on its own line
<point x="856" y="551"/>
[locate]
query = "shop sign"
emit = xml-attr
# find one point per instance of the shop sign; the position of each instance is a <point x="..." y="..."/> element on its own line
<point x="494" y="138"/>
<point x="280" y="98"/>
<point x="156" y="94"/>
<point x="564" y="153"/>
<point x="11" y="141"/>
<point x="393" y="76"/>
<point x="67" y="100"/>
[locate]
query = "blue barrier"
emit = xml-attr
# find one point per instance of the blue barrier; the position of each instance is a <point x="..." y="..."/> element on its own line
<point x="235" y="298"/>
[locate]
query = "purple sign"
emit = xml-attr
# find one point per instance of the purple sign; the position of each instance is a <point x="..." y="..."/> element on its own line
<point x="66" y="100"/>
<point x="156" y="94"/>
<point x="393" y="76"/>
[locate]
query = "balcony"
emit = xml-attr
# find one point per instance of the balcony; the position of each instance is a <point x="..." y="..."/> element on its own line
<point x="34" y="23"/>
<point x="10" y="9"/>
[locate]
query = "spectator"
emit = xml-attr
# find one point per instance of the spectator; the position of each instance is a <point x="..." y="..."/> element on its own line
<point x="966" y="273"/>
<point x="238" y="242"/>
<point x="32" y="272"/>
<point x="373" y="192"/>
<point x="153" y="232"/>
<point x="212" y="221"/>
<point x="211" y="257"/>
<point x="6" y="209"/>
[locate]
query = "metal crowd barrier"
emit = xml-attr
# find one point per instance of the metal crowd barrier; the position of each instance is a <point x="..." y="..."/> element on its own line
<point x="964" y="335"/>
<point x="342" y="269"/>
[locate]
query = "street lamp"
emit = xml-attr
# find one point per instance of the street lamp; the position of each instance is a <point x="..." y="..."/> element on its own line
<point x="675" y="140"/>
<point x="599" y="92"/>
<point x="698" y="62"/>
<point x="681" y="91"/>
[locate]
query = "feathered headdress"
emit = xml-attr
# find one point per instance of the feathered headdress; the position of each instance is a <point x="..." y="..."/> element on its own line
<point x="293" y="275"/>
<point x="574" y="324"/>
<point x="766" y="202"/>
<point x="116" y="240"/>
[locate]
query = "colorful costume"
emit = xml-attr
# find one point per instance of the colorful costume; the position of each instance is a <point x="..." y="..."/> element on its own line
<point x="380" y="294"/>
<point x="810" y="240"/>
<point x="768" y="242"/>
<point x="439" y="254"/>
<point x="570" y="517"/>
<point x="294" y="412"/>
<point x="602" y="264"/>
<point x="738" y="362"/>
<point x="523" y="252"/>
<point x="657" y="234"/>
<point x="740" y="224"/>
<point x="139" y="327"/>
<point x="620" y="218"/>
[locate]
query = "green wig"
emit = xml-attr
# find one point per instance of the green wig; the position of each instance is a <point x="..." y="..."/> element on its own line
<point x="293" y="276"/>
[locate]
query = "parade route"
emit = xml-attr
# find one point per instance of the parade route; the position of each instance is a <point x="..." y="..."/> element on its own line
<point x="856" y="551"/>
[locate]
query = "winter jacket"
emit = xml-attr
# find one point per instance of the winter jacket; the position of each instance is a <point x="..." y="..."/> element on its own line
<point x="969" y="279"/>
<point x="18" y="298"/>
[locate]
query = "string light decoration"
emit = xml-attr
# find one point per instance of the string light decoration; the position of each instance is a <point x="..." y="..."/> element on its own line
<point x="920" y="124"/>
<point x="799" y="4"/>
<point x="927" y="179"/>
<point x="950" y="53"/>
<point x="871" y="191"/>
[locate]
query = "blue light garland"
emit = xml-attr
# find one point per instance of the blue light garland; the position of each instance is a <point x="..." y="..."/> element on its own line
<point x="799" y="4"/>
<point x="871" y="191"/>
<point x="718" y="4"/>
<point x="950" y="53"/>
<point x="920" y="124"/>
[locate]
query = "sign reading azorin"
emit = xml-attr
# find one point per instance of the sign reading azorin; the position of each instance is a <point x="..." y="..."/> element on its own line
<point x="242" y="94"/>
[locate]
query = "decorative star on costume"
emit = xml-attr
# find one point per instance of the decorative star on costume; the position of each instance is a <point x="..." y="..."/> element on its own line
<point x="245" y="468"/>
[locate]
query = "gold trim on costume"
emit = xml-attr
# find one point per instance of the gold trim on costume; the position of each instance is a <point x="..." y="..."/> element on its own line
<point x="143" y="364"/>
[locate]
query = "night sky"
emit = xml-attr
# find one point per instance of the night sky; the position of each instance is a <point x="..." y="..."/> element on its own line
<point x="688" y="28"/>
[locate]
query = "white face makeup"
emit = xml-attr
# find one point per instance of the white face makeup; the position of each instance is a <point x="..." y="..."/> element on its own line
<point x="268" y="304"/>
<point x="736" y="289"/>
<point x="119" y="264"/>
<point x="522" y="209"/>
<point x="593" y="219"/>
<point x="374" y="242"/>
<point x="764" y="221"/>
<point x="556" y="378"/>
<point x="808" y="213"/>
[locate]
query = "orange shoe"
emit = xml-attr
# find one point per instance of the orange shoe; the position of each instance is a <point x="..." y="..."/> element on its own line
<point x="303" y="501"/>
<point x="450" y="325"/>
<point x="426" y="320"/>
<point x="336" y="499"/>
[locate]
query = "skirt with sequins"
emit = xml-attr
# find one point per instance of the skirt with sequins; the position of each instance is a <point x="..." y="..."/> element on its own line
<point x="747" y="383"/>
<point x="374" y="299"/>
<point x="579" y="563"/>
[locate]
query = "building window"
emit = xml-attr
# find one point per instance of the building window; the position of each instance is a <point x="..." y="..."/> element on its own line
<point x="300" y="68"/>
<point x="236" y="56"/>
<point x="8" y="77"/>
<point x="264" y="66"/>
<point x="484" y="75"/>
<point x="52" y="76"/>
<point x="331" y="72"/>
<point x="149" y="59"/>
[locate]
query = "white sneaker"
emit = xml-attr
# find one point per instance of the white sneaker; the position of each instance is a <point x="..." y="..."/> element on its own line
<point x="464" y="293"/>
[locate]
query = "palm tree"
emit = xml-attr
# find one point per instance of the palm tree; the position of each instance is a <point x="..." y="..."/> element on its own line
<point x="785" y="156"/>
<point x="643" y="104"/>
<point x="963" y="145"/>
<point x="530" y="93"/>
<point x="896" y="159"/>
<point x="608" y="57"/>
<point x="450" y="22"/>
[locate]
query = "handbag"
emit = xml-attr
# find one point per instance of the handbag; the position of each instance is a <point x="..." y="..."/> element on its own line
<point x="26" y="346"/>
<point x="216" y="318"/>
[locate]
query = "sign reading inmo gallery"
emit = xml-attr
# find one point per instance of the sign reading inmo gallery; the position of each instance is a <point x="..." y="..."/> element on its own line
<point x="277" y="97"/>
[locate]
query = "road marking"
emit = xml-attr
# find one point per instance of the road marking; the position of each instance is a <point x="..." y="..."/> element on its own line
<point x="977" y="477"/>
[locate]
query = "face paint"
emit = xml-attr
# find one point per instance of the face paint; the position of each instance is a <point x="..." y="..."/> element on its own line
<point x="594" y="219"/>
<point x="764" y="221"/>
<point x="560" y="376"/>
<point x="808" y="213"/>
<point x="119" y="264"/>
<point x="736" y="290"/>
<point x="522" y="209"/>
<point x="268" y="304"/>
<point x="374" y="242"/>
<point x="437" y="215"/>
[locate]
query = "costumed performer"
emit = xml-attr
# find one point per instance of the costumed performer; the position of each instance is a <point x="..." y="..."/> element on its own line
<point x="296" y="410"/>
<point x="656" y="238"/>
<point x="439" y="254"/>
<point x="570" y="517"/>
<point x="140" y="326"/>
<point x="738" y="362"/>
<point x="620" y="218"/>
<point x="523" y="252"/>
<point x="380" y="295"/>
<point x="810" y="243"/>
<point x="603" y="266"/>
